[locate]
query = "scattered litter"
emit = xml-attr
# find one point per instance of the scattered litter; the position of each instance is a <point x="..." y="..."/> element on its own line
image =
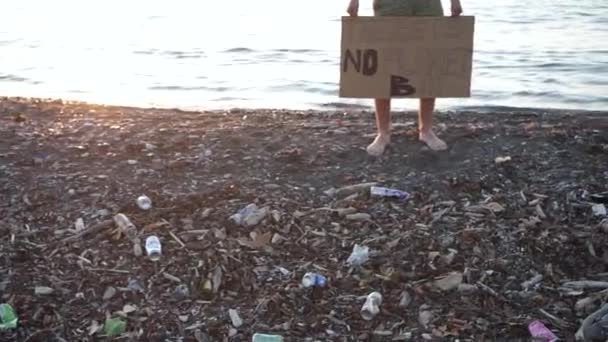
<point x="359" y="255"/>
<point x="350" y="189"/>
<point x="249" y="216"/>
<point x="128" y="228"/>
<point x="43" y="290"/>
<point x="311" y="279"/>
<point x="540" y="332"/>
<point x="235" y="318"/>
<point x="79" y="225"/>
<point x="114" y="327"/>
<point x="144" y="202"/>
<point x="8" y="317"/>
<point x="599" y="210"/>
<point x="501" y="160"/>
<point x="371" y="307"/>
<point x="257" y="337"/>
<point x="153" y="247"/>
<point x="388" y="192"/>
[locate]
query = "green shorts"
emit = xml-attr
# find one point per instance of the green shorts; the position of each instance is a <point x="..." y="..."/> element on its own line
<point x="389" y="8"/>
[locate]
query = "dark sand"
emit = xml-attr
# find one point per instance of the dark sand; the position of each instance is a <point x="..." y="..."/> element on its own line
<point x="496" y="224"/>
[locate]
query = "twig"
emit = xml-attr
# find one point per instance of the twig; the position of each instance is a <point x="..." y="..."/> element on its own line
<point x="42" y="331"/>
<point x="488" y="289"/>
<point x="92" y="229"/>
<point x="171" y="277"/>
<point x="108" y="270"/>
<point x="558" y="321"/>
<point x="177" y="239"/>
<point x="586" y="284"/>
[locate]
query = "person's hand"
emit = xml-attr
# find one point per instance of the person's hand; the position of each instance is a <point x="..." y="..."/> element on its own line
<point x="353" y="8"/>
<point x="456" y="8"/>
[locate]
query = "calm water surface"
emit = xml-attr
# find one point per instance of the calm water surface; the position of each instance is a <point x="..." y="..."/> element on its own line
<point x="282" y="53"/>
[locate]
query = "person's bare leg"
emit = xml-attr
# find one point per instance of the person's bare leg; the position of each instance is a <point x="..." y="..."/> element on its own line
<point x="383" y="123"/>
<point x="426" y="114"/>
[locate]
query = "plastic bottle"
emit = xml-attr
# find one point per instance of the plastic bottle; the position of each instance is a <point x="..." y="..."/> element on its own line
<point x="371" y="307"/>
<point x="144" y="202"/>
<point x="388" y="192"/>
<point x="266" y="338"/>
<point x="311" y="279"/>
<point x="8" y="317"/>
<point x="128" y="228"/>
<point x="153" y="248"/>
<point x="359" y="255"/>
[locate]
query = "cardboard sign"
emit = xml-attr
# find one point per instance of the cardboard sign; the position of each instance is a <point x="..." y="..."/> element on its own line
<point x="408" y="57"/>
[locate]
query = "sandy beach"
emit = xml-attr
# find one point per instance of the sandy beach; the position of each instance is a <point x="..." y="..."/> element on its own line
<point x="483" y="246"/>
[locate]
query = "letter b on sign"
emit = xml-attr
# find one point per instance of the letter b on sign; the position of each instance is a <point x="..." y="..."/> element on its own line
<point x="400" y="86"/>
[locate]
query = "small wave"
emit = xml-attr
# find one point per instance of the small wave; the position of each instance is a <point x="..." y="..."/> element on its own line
<point x="185" y="88"/>
<point x="171" y="53"/>
<point x="299" y="51"/>
<point x="343" y="105"/>
<point x="15" y="78"/>
<point x="184" y="54"/>
<point x="239" y="50"/>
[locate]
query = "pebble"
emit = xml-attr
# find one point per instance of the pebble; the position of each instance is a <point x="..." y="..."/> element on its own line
<point x="131" y="162"/>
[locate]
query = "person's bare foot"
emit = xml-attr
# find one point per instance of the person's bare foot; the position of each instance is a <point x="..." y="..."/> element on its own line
<point x="432" y="141"/>
<point x="377" y="147"/>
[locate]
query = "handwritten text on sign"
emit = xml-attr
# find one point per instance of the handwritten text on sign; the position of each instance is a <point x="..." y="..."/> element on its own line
<point x="406" y="57"/>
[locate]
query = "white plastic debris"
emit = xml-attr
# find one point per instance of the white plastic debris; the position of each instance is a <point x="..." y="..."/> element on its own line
<point x="250" y="215"/>
<point x="235" y="318"/>
<point x="359" y="255"/>
<point x="144" y="202"/>
<point x="371" y="307"/>
<point x="500" y="160"/>
<point x="599" y="210"/>
<point x="79" y="225"/>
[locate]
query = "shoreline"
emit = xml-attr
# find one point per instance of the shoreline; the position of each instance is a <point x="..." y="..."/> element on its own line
<point x="329" y="107"/>
<point x="512" y="198"/>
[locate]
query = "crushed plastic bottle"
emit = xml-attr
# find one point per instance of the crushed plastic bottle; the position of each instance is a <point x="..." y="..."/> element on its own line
<point x="8" y="317"/>
<point x="371" y="307"/>
<point x="540" y="332"/>
<point x="128" y="228"/>
<point x="153" y="247"/>
<point x="266" y="338"/>
<point x="311" y="279"/>
<point x="388" y="192"/>
<point x="359" y="255"/>
<point x="144" y="202"/>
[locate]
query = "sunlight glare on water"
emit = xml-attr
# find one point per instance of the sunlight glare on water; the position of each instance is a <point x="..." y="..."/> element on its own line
<point x="282" y="54"/>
